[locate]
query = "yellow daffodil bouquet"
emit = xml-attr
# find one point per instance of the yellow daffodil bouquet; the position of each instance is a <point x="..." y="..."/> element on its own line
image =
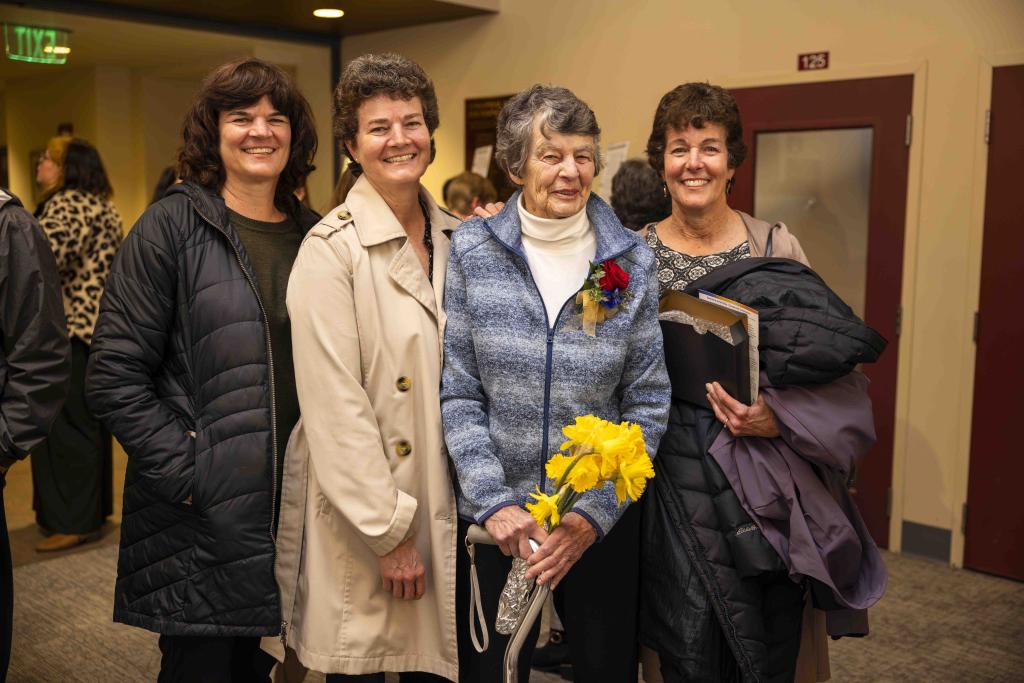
<point x="597" y="451"/>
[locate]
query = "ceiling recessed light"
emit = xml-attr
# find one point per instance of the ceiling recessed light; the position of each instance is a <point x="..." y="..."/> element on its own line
<point x="328" y="13"/>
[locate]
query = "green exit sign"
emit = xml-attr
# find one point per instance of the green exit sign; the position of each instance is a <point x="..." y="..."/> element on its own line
<point x="38" y="44"/>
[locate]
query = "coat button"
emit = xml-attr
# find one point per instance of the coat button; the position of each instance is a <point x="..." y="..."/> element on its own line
<point x="344" y="214"/>
<point x="403" y="448"/>
<point x="403" y="383"/>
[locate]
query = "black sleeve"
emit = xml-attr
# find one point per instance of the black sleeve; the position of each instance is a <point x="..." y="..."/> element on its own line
<point x="136" y="315"/>
<point x="36" y="354"/>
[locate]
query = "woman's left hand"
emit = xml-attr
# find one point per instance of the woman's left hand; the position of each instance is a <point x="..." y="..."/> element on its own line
<point x="563" y="547"/>
<point x="741" y="419"/>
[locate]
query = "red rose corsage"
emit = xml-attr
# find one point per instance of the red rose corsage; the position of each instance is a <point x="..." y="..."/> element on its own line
<point x="603" y="294"/>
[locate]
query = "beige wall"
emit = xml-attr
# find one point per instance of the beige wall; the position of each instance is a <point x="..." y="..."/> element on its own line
<point x="621" y="57"/>
<point x="34" y="108"/>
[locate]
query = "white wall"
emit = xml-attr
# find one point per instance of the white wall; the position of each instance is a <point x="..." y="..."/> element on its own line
<point x="621" y="57"/>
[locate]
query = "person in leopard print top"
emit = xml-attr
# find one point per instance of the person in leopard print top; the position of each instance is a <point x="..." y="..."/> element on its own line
<point x="71" y="471"/>
<point x="84" y="229"/>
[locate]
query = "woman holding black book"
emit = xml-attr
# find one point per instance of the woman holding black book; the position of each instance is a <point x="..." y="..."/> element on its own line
<point x="703" y="530"/>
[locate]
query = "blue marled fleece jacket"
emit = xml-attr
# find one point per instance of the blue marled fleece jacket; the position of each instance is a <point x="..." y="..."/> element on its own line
<point x="511" y="381"/>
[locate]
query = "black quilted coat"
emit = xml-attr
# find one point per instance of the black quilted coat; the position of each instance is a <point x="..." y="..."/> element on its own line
<point x="716" y="603"/>
<point x="180" y="372"/>
<point x="35" y="359"/>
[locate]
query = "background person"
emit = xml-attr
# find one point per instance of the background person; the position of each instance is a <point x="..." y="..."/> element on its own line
<point x="638" y="195"/>
<point x="72" y="471"/>
<point x="35" y="365"/>
<point x="192" y="371"/>
<point x="367" y="475"/>
<point x="464" y="193"/>
<point x="345" y="182"/>
<point x="519" y="366"/>
<point x="168" y="177"/>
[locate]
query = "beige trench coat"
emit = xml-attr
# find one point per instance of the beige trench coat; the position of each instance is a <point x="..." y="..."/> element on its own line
<point x="365" y="467"/>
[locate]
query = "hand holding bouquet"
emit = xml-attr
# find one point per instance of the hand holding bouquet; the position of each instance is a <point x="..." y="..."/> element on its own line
<point x="597" y="451"/>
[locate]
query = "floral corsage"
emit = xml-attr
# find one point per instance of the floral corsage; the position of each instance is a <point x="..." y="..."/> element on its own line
<point x="603" y="294"/>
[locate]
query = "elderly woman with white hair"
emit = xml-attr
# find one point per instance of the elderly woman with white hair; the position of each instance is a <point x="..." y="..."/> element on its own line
<point x="520" y="363"/>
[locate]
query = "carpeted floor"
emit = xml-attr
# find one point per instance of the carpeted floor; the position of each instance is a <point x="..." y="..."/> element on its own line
<point x="935" y="624"/>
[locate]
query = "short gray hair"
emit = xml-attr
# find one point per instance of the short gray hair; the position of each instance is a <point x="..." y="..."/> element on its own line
<point x="557" y="109"/>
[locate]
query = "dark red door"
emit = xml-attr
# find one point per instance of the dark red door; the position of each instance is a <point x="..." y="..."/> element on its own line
<point x="994" y="540"/>
<point x="882" y="105"/>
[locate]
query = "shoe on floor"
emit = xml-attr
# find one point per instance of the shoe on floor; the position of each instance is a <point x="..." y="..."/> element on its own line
<point x="56" y="542"/>
<point x="554" y="657"/>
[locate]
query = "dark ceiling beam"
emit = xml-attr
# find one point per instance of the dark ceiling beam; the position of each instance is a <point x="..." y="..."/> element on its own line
<point x="147" y="16"/>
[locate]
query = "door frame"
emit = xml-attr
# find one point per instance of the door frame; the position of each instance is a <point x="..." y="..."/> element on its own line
<point x="961" y="472"/>
<point x="912" y="226"/>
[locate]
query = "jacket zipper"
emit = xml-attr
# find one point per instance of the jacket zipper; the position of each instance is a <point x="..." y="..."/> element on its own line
<point x="273" y="394"/>
<point x="549" y="353"/>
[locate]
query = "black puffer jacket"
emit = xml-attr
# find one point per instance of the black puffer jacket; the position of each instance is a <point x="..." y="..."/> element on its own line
<point x="180" y="372"/>
<point x="715" y="602"/>
<point x="35" y="358"/>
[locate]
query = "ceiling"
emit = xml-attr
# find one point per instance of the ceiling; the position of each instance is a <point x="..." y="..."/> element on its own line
<point x="283" y="17"/>
<point x="96" y="41"/>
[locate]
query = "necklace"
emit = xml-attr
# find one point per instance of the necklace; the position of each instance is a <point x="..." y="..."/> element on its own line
<point x="428" y="242"/>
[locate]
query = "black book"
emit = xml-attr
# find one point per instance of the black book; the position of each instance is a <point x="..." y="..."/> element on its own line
<point x="704" y="343"/>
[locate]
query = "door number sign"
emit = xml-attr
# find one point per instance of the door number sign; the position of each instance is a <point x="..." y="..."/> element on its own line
<point x="812" y="61"/>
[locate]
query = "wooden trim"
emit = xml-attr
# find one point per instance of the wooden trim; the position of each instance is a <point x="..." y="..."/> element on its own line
<point x="911" y="239"/>
<point x="979" y="172"/>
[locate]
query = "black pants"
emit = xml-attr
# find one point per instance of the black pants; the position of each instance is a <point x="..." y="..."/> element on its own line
<point x="6" y="589"/>
<point x="213" y="659"/>
<point x="404" y="677"/>
<point x="597" y="601"/>
<point x="72" y="471"/>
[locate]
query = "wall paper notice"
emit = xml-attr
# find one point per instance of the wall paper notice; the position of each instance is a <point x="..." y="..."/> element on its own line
<point x="482" y="160"/>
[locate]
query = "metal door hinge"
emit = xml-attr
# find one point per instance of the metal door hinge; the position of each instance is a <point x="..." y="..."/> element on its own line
<point x="963" y="519"/>
<point x="910" y="129"/>
<point x="988" y="126"/>
<point x="899" y="320"/>
<point x="976" y="318"/>
<point x="888" y="503"/>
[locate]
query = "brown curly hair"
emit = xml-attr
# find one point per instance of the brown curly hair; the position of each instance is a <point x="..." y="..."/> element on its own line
<point x="241" y="83"/>
<point x="388" y="74"/>
<point x="696" y="104"/>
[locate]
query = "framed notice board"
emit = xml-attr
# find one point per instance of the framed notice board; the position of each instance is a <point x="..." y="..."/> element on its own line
<point x="481" y="123"/>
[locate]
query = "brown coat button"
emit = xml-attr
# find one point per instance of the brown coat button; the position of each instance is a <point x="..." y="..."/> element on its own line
<point x="403" y="448"/>
<point x="403" y="383"/>
<point x="344" y="214"/>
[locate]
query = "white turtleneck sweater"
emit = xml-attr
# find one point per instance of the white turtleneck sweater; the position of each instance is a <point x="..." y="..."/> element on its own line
<point x="559" y="251"/>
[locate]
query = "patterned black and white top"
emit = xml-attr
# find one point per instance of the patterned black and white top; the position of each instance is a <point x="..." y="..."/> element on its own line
<point x="677" y="270"/>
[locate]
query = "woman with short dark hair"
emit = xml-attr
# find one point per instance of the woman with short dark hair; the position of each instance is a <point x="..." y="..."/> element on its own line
<point x="191" y="370"/>
<point x="366" y="548"/>
<point x="638" y="196"/>
<point x="521" y="362"/>
<point x="72" y="472"/>
<point x="749" y="511"/>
